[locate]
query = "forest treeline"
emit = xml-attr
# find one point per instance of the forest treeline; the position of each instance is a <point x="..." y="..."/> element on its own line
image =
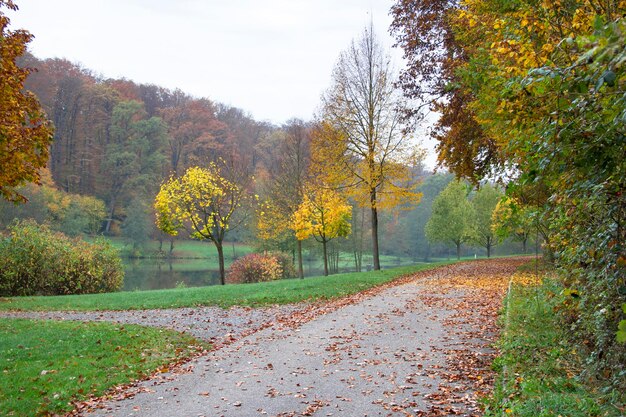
<point x="116" y="141"/>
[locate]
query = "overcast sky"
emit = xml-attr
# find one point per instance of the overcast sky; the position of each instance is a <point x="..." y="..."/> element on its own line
<point x="272" y="58"/>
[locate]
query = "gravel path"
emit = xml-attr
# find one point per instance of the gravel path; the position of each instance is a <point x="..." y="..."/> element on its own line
<point x="213" y="324"/>
<point x="418" y="347"/>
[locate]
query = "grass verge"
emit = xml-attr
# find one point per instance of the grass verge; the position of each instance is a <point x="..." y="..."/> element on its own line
<point x="537" y="368"/>
<point x="48" y="364"/>
<point x="266" y="293"/>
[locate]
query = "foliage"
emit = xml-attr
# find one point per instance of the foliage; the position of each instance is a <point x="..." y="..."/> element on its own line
<point x="453" y="217"/>
<point x="134" y="161"/>
<point x="254" y="267"/>
<point x="538" y="363"/>
<point x="512" y="218"/>
<point x="202" y="202"/>
<point x="412" y="223"/>
<point x="253" y="295"/>
<point x="286" y="264"/>
<point x="25" y="132"/>
<point x="555" y="106"/>
<point x="72" y="214"/>
<point x="324" y="215"/>
<point x="286" y="162"/>
<point x="47" y="365"/>
<point x="545" y="82"/>
<point x="36" y="260"/>
<point x="362" y="142"/>
<point x="484" y="202"/>
<point x="433" y="53"/>
<point x="137" y="226"/>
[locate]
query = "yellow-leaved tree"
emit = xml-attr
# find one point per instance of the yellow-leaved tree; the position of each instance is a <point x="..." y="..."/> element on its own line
<point x="324" y="215"/>
<point x="364" y="132"/>
<point x="203" y="203"/>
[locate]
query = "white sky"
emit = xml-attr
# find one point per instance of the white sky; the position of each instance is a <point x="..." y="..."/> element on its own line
<point x="272" y="58"/>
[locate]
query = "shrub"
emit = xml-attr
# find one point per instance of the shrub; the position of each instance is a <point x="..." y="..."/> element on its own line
<point x="286" y="263"/>
<point x="254" y="267"/>
<point x="37" y="261"/>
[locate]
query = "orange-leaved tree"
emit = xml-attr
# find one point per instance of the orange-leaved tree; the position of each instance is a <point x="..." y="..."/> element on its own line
<point x="25" y="132"/>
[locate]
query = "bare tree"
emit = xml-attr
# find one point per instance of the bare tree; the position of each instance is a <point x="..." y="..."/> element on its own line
<point x="365" y="109"/>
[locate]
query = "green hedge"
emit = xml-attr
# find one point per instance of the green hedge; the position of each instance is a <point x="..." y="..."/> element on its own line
<point x="34" y="260"/>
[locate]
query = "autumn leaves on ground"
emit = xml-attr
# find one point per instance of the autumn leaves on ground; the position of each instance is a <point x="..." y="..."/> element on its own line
<point x="419" y="345"/>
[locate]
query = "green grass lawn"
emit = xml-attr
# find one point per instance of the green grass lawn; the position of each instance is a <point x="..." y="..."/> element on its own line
<point x="538" y="367"/>
<point x="266" y="293"/>
<point x="188" y="249"/>
<point x="47" y="364"/>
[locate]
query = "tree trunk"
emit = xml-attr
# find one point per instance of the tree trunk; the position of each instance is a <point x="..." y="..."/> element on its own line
<point x="375" y="255"/>
<point x="171" y="254"/>
<point x="220" y="258"/>
<point x="524" y="240"/>
<point x="107" y="228"/>
<point x="488" y="250"/>
<point x="325" y="259"/>
<point x="458" y="251"/>
<point x="300" y="268"/>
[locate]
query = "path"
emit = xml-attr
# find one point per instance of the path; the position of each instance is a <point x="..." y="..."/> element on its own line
<point x="420" y="348"/>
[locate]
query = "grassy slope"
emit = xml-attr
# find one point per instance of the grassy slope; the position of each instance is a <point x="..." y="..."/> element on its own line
<point x="276" y="292"/>
<point x="47" y="364"/>
<point x="538" y="367"/>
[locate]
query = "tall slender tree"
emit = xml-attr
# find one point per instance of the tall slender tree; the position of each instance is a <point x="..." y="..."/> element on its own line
<point x="365" y="129"/>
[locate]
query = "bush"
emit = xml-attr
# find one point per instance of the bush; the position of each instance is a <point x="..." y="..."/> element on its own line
<point x="286" y="263"/>
<point x="37" y="261"/>
<point x="254" y="267"/>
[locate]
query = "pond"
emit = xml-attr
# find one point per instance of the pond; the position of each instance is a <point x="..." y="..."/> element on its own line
<point x="156" y="274"/>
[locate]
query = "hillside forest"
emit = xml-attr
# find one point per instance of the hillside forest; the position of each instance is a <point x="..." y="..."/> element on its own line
<point x="115" y="142"/>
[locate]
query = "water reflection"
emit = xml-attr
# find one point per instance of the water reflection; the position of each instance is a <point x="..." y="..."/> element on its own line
<point x="154" y="274"/>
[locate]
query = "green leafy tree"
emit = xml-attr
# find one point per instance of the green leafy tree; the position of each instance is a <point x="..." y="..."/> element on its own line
<point x="25" y="132"/>
<point x="84" y="214"/>
<point x="137" y="225"/>
<point x="134" y="161"/>
<point x="203" y="203"/>
<point x="484" y="202"/>
<point x="452" y="218"/>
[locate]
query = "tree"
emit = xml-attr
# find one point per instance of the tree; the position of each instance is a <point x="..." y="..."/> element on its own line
<point x="413" y="224"/>
<point x="484" y="202"/>
<point x="324" y="215"/>
<point x="287" y="169"/>
<point x="452" y="217"/>
<point x="433" y="52"/>
<point x="203" y="203"/>
<point x="191" y="121"/>
<point x="137" y="226"/>
<point x="512" y="218"/>
<point x="25" y="132"/>
<point x="134" y="160"/>
<point x="362" y="126"/>
<point x="546" y="82"/>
